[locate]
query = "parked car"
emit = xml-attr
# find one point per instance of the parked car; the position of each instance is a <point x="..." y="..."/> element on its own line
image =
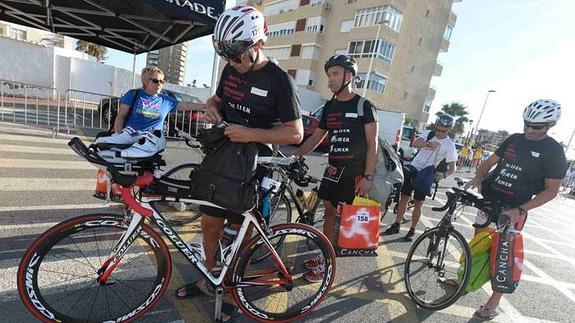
<point x="310" y="123"/>
<point x="189" y="121"/>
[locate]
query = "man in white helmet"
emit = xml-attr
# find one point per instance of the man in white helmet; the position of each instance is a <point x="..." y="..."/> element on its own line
<point x="258" y="100"/>
<point x="529" y="169"/>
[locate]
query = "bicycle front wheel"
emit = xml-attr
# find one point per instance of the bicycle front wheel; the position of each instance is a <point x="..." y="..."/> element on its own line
<point x="432" y="265"/>
<point x="182" y="172"/>
<point x="57" y="277"/>
<point x="265" y="293"/>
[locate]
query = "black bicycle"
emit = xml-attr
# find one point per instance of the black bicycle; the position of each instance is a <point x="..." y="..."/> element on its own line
<point x="432" y="264"/>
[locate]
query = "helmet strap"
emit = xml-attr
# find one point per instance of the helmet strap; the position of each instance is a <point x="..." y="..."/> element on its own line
<point x="253" y="61"/>
<point x="344" y="84"/>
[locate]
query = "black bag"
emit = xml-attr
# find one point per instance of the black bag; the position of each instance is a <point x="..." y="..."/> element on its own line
<point x="226" y="176"/>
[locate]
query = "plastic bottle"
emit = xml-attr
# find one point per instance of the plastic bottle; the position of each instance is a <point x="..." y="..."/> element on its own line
<point x="266" y="205"/>
<point x="312" y="199"/>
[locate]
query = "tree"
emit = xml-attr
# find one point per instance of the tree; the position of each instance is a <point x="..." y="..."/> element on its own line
<point x="407" y="121"/>
<point x="459" y="112"/>
<point x="92" y="49"/>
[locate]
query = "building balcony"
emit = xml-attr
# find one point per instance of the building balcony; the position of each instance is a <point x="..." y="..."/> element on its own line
<point x="444" y="45"/>
<point x="452" y="20"/>
<point x="430" y="94"/>
<point x="438" y="69"/>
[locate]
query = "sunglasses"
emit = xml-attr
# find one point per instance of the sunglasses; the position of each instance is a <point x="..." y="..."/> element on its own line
<point x="441" y="130"/>
<point x="232" y="50"/>
<point x="534" y="126"/>
<point x="156" y="81"/>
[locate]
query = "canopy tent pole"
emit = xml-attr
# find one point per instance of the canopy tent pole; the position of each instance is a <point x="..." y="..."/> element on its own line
<point x="134" y="71"/>
<point x="215" y="67"/>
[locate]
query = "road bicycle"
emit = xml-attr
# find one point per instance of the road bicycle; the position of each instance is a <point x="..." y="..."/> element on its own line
<point x="112" y="267"/>
<point x="435" y="257"/>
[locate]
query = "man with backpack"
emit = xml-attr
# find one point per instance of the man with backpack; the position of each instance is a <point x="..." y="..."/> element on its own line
<point x="434" y="147"/>
<point x="141" y="115"/>
<point x="351" y="123"/>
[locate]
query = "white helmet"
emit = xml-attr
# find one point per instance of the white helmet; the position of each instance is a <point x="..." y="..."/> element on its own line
<point x="237" y="29"/>
<point x="542" y="111"/>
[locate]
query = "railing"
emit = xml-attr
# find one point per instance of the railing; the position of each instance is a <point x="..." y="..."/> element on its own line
<point x="79" y="110"/>
<point x="29" y="103"/>
<point x="88" y="109"/>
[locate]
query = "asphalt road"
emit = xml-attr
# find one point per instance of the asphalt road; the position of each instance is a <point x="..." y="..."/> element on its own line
<point x="44" y="183"/>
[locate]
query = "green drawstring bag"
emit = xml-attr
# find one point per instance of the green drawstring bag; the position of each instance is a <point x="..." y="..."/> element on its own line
<point x="479" y="271"/>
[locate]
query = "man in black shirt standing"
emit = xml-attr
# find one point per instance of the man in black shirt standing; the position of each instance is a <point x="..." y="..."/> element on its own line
<point x="352" y="154"/>
<point x="527" y="164"/>
<point x="256" y="98"/>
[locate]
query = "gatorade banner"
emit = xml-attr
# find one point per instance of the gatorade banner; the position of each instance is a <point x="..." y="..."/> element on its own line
<point x="359" y="229"/>
<point x="506" y="261"/>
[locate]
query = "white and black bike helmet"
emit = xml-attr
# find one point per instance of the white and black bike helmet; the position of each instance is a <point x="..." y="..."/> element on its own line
<point x="237" y="29"/>
<point x="542" y="111"/>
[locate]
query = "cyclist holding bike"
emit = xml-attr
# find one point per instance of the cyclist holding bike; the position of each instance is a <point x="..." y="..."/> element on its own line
<point x="529" y="169"/>
<point x="432" y="152"/>
<point x="257" y="99"/>
<point x="352" y="155"/>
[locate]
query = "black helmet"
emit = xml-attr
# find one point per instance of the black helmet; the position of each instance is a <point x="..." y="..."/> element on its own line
<point x="342" y="60"/>
<point x="445" y="120"/>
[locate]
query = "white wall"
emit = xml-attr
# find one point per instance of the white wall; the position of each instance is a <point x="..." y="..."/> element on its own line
<point x="309" y="100"/>
<point x="35" y="67"/>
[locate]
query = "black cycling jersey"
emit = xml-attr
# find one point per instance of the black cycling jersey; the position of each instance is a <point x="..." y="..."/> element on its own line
<point x="260" y="98"/>
<point x="346" y="131"/>
<point x="523" y="168"/>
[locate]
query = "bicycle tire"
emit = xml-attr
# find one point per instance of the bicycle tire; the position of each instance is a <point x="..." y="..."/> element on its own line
<point x="275" y="220"/>
<point x="434" y="237"/>
<point x="49" y="273"/>
<point x="257" y="300"/>
<point x="183" y="172"/>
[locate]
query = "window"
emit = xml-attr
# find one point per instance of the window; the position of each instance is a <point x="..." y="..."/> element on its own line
<point x="295" y="50"/>
<point x="376" y="15"/>
<point x="300" y="24"/>
<point x="280" y="7"/>
<point x="315" y="24"/>
<point x="426" y="108"/>
<point x="278" y="52"/>
<point x="350" y="1"/>
<point x="310" y="52"/>
<point x="281" y="30"/>
<point x="303" y="3"/>
<point x="346" y="26"/>
<point x="375" y="83"/>
<point x="316" y="3"/>
<point x="368" y="48"/>
<point x="447" y="32"/>
<point x="292" y="73"/>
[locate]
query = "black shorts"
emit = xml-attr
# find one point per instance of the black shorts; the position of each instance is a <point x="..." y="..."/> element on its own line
<point x="343" y="191"/>
<point x="233" y="218"/>
<point x="407" y="188"/>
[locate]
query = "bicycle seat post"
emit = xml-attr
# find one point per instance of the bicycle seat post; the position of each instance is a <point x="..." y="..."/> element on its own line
<point x="219" y="302"/>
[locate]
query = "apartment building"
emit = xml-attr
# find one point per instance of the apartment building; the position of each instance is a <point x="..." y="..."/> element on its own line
<point x="34" y="35"/>
<point x="396" y="42"/>
<point x="172" y="61"/>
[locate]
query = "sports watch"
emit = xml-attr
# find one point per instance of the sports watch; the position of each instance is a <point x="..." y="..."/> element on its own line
<point x="369" y="177"/>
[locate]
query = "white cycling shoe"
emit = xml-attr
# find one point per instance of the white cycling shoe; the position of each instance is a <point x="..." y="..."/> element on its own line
<point x="148" y="145"/>
<point x="128" y="136"/>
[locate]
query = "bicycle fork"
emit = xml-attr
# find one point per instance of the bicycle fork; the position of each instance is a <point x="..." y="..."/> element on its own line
<point x="126" y="240"/>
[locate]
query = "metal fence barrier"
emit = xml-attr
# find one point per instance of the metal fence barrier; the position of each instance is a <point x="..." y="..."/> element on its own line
<point x="26" y="103"/>
<point x="78" y="110"/>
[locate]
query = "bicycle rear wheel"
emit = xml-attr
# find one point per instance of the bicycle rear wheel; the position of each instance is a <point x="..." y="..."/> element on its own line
<point x="57" y="277"/>
<point x="261" y="289"/>
<point x="182" y="172"/>
<point x="431" y="268"/>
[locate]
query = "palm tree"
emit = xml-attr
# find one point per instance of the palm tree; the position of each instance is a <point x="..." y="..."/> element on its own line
<point x="459" y="112"/>
<point x="92" y="49"/>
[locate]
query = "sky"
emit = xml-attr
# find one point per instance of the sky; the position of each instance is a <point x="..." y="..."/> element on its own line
<point x="522" y="49"/>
